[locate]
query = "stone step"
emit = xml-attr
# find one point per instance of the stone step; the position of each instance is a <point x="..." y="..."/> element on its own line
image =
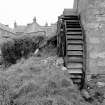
<point x="75" y="66"/>
<point x="77" y="81"/>
<point x="73" y="29"/>
<point x="74" y="37"/>
<point x="78" y="76"/>
<point x="75" y="47"/>
<point x="75" y="59"/>
<point x="74" y="53"/>
<point x="74" y="42"/>
<point x="75" y="71"/>
<point x="70" y="17"/>
<point x="73" y="26"/>
<point x="74" y="33"/>
<point x="68" y="12"/>
<point x="72" y="22"/>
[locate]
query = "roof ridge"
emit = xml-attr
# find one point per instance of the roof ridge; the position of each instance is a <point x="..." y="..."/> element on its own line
<point x="4" y="27"/>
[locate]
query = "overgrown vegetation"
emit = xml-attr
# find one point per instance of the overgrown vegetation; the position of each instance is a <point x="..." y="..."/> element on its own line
<point x="17" y="48"/>
<point x="33" y="82"/>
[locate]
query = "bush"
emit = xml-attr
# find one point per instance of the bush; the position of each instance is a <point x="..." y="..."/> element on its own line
<point x="15" y="49"/>
<point x="8" y="52"/>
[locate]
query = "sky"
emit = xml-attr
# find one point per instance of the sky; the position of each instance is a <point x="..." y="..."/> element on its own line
<point x="23" y="11"/>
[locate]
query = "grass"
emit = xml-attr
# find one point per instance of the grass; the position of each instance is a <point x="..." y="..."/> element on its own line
<point x="38" y="81"/>
<point x="33" y="82"/>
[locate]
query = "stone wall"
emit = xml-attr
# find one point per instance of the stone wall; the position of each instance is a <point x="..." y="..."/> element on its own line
<point x="93" y="19"/>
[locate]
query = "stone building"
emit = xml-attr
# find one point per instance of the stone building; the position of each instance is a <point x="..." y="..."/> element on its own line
<point x="35" y="29"/>
<point x="93" y="19"/>
<point x="5" y="31"/>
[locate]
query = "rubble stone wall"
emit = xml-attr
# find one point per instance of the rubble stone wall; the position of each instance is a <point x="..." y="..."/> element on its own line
<point x="93" y="19"/>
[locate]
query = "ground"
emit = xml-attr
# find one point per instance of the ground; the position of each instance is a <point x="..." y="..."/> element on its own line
<point x="42" y="79"/>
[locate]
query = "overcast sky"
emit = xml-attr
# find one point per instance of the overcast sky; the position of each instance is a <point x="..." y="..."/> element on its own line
<point x="23" y="11"/>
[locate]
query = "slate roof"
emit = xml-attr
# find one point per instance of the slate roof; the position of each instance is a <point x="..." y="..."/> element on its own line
<point x="6" y="28"/>
<point x="20" y="28"/>
<point x="33" y="27"/>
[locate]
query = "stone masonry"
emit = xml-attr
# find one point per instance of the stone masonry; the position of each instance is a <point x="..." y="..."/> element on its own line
<point x="93" y="19"/>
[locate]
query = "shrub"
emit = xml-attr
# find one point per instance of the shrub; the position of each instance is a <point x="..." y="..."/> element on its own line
<point x="8" y="52"/>
<point x="15" y="49"/>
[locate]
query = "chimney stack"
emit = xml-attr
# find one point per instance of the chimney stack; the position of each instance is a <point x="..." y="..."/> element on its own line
<point x="15" y="24"/>
<point x="34" y="19"/>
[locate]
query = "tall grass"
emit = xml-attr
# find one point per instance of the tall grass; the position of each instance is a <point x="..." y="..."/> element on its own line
<point x="31" y="82"/>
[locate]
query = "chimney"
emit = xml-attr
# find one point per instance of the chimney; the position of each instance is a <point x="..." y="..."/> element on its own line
<point x="28" y="24"/>
<point x="15" y="24"/>
<point x="34" y="20"/>
<point x="46" y="24"/>
<point x="7" y="25"/>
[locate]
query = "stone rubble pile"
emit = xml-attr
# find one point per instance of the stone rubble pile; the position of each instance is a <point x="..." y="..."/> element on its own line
<point x="53" y="60"/>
